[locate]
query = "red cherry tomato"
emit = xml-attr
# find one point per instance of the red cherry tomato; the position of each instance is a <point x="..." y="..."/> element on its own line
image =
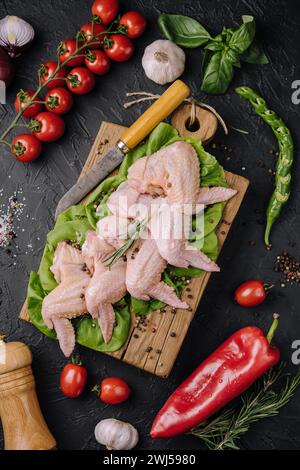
<point x="81" y="81"/>
<point x="134" y="23"/>
<point x="251" y="293"/>
<point x="121" y="48"/>
<point x="59" y="101"/>
<point x="97" y="62"/>
<point x="73" y="379"/>
<point x="93" y="29"/>
<point x="105" y="10"/>
<point x="22" y="99"/>
<point x="47" y="127"/>
<point x="66" y="49"/>
<point x="114" y="390"/>
<point x="47" y="70"/>
<point x="26" y="147"/>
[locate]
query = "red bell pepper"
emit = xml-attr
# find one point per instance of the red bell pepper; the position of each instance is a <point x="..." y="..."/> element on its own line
<point x="220" y="378"/>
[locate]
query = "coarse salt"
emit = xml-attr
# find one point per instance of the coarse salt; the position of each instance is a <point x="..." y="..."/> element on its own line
<point x="7" y="215"/>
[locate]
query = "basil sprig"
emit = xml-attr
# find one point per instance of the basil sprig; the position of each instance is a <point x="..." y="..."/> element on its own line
<point x="223" y="53"/>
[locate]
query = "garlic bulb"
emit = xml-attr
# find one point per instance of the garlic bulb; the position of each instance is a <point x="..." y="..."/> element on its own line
<point x="163" y="61"/>
<point x="116" y="435"/>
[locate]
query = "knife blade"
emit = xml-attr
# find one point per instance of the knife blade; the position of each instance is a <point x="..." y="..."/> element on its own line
<point x="157" y="112"/>
<point x="91" y="179"/>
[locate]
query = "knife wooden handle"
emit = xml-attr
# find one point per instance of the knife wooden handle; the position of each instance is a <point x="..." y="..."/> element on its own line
<point x="161" y="109"/>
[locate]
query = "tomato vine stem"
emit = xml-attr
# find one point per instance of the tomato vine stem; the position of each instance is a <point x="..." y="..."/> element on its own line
<point x="41" y="86"/>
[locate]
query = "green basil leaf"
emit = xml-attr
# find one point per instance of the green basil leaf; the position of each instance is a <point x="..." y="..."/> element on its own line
<point x="219" y="72"/>
<point x="227" y="34"/>
<point x="243" y="37"/>
<point x="255" y="54"/>
<point x="214" y="46"/>
<point x="183" y="30"/>
<point x="234" y="57"/>
<point x="205" y="60"/>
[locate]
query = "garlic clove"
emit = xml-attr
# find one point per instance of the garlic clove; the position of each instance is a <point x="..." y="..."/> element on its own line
<point x="163" y="61"/>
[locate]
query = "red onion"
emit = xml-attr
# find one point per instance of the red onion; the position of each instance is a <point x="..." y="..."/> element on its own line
<point x="7" y="71"/>
<point x="16" y="35"/>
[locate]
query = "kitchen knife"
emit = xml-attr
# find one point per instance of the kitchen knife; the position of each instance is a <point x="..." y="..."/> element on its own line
<point x="130" y="138"/>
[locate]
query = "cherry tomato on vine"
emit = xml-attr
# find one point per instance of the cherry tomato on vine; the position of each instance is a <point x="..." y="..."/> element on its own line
<point x="92" y="29"/>
<point x="80" y="81"/>
<point x="105" y="10"/>
<point x="47" y="70"/>
<point x="134" y="24"/>
<point x="26" y="147"/>
<point x="97" y="62"/>
<point x="23" y="98"/>
<point x="66" y="49"/>
<point x="73" y="379"/>
<point x="47" y="127"/>
<point x="59" y="101"/>
<point x="112" y="390"/>
<point x="251" y="293"/>
<point x="120" y="49"/>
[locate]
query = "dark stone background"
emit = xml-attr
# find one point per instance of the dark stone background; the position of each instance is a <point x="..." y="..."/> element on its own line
<point x="44" y="182"/>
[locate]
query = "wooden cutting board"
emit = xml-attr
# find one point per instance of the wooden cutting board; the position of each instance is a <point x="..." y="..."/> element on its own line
<point x="154" y="341"/>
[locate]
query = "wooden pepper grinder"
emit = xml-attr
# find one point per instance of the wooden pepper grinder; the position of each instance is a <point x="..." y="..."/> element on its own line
<point x="24" y="426"/>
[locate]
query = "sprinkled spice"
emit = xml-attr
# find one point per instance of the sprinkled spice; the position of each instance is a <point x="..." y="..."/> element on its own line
<point x="289" y="267"/>
<point x="8" y="215"/>
<point x="173" y="335"/>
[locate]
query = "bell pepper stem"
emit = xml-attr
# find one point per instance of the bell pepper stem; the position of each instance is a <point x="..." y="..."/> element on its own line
<point x="273" y="327"/>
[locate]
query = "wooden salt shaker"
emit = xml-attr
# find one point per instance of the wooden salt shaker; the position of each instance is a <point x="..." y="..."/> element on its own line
<point x="23" y="424"/>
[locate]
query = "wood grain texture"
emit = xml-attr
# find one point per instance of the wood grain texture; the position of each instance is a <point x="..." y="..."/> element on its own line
<point x="154" y="343"/>
<point x="205" y="119"/>
<point x="22" y="420"/>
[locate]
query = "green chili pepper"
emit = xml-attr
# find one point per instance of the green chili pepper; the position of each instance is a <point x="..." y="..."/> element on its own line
<point x="286" y="155"/>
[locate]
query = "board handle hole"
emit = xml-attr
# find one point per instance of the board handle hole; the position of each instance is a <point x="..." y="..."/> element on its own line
<point x="192" y="127"/>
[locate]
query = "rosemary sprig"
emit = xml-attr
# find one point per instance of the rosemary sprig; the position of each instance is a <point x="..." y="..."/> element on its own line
<point x="132" y="235"/>
<point x="224" y="431"/>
